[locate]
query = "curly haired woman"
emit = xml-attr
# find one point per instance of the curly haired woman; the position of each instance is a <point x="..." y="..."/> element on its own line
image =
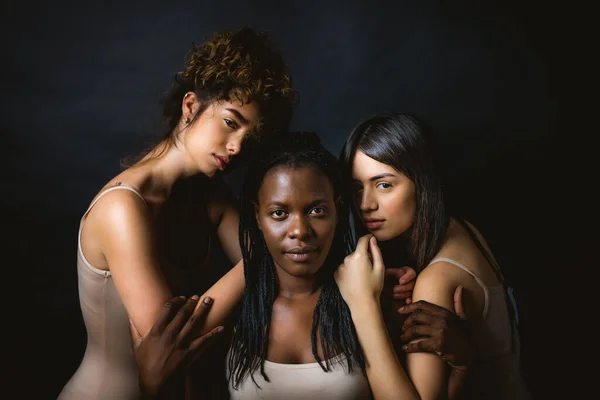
<point x="147" y="233"/>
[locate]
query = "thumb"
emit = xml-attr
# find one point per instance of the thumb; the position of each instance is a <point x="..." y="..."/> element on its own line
<point x="458" y="302"/>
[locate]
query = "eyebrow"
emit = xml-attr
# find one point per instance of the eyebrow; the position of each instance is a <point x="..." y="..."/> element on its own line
<point x="238" y="115"/>
<point x="376" y="177"/>
<point x="312" y="203"/>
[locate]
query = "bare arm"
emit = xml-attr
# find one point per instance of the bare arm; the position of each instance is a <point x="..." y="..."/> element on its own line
<point x="227" y="293"/>
<point x="434" y="329"/>
<point x="360" y="282"/>
<point x="227" y="217"/>
<point x="122" y="224"/>
<point x="429" y="372"/>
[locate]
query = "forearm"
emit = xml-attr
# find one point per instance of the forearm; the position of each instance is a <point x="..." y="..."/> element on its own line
<point x="387" y="378"/>
<point x="226" y="294"/>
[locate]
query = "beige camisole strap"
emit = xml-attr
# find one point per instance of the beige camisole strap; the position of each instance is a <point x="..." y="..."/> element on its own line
<point x="117" y="186"/>
<point x="486" y="294"/>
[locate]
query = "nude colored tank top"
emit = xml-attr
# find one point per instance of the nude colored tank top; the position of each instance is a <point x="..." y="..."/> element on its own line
<point x="108" y="369"/>
<point x="304" y="381"/>
<point x="496" y="373"/>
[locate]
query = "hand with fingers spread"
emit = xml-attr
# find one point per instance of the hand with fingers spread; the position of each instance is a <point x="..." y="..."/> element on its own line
<point x="434" y="329"/>
<point x="361" y="276"/>
<point x="171" y="344"/>
<point x="403" y="280"/>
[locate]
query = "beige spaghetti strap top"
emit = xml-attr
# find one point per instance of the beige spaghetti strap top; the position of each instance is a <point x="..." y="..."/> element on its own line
<point x="108" y="369"/>
<point x="304" y="382"/>
<point x="496" y="373"/>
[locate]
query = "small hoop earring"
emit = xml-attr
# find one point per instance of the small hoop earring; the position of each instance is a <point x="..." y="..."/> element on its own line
<point x="187" y="120"/>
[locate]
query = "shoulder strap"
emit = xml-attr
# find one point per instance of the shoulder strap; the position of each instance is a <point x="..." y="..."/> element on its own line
<point x="118" y="185"/>
<point x="486" y="291"/>
<point x="509" y="298"/>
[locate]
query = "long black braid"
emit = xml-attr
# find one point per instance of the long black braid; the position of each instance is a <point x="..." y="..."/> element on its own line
<point x="331" y="317"/>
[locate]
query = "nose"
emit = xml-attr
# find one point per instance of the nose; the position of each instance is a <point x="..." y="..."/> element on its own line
<point x="234" y="146"/>
<point x="367" y="201"/>
<point x="299" y="228"/>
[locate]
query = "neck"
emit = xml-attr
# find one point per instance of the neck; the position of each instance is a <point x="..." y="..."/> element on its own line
<point x="294" y="287"/>
<point x="167" y="164"/>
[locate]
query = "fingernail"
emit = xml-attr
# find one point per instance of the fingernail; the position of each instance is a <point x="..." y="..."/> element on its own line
<point x="208" y="300"/>
<point x="195" y="297"/>
<point x="405" y="347"/>
<point x="182" y="297"/>
<point x="220" y="329"/>
<point x="401" y="309"/>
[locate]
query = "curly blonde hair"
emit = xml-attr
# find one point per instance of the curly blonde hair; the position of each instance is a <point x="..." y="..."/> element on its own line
<point x="237" y="66"/>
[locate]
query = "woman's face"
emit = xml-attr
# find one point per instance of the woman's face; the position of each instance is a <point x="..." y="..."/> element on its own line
<point x="217" y="135"/>
<point x="297" y="215"/>
<point x="383" y="196"/>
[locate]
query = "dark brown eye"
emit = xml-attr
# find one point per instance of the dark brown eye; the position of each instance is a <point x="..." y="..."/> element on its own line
<point x="230" y="123"/>
<point x="317" y="211"/>
<point x="277" y="214"/>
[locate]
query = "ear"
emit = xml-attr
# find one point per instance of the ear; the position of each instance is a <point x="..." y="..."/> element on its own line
<point x="256" y="216"/>
<point x="189" y="106"/>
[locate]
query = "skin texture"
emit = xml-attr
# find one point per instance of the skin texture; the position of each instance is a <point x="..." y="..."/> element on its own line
<point x="170" y="345"/>
<point x="361" y="279"/>
<point x="296" y="209"/>
<point x="386" y="196"/>
<point x="121" y="233"/>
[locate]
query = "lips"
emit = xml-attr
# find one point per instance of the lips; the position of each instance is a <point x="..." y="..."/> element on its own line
<point x="301" y="253"/>
<point x="373" y="223"/>
<point x="221" y="162"/>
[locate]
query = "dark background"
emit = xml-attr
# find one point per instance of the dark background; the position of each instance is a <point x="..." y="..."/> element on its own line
<point x="81" y="85"/>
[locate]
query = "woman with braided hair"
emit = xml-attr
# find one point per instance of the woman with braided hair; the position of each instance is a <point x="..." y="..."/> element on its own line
<point x="294" y="336"/>
<point x="147" y="233"/>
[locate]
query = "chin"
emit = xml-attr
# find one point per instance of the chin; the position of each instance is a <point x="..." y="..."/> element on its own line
<point x="382" y="235"/>
<point x="300" y="270"/>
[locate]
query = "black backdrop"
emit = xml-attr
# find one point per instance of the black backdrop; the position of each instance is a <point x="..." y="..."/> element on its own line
<point x="81" y="84"/>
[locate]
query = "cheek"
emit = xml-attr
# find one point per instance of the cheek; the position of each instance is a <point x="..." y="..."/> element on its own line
<point x="401" y="208"/>
<point x="273" y="233"/>
<point x="327" y="229"/>
<point x="195" y="143"/>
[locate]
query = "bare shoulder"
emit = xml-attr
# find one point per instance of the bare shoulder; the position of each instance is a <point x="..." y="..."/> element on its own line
<point x="436" y="285"/>
<point x="441" y="275"/>
<point x="114" y="214"/>
<point x="460" y="246"/>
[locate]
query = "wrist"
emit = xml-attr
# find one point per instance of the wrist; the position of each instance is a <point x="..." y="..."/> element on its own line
<point x="364" y="307"/>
